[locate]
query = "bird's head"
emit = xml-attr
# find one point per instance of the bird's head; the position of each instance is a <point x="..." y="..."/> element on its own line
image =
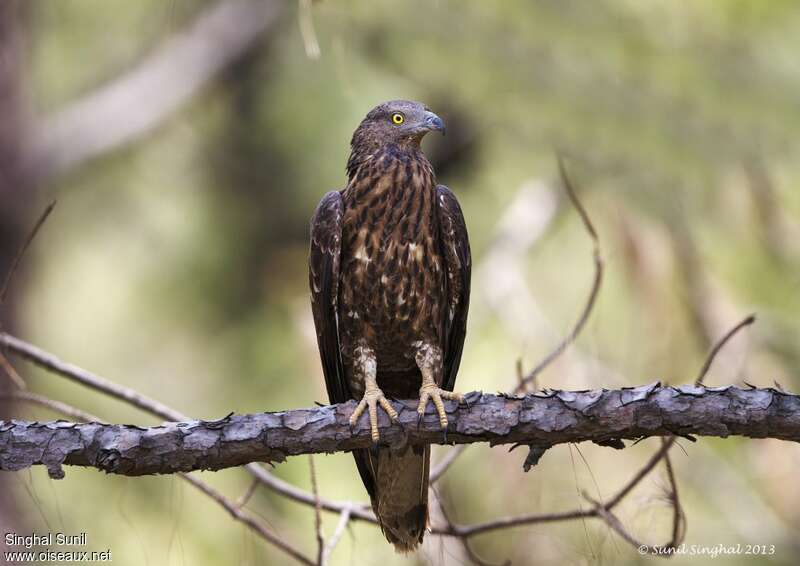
<point x="400" y="122"/>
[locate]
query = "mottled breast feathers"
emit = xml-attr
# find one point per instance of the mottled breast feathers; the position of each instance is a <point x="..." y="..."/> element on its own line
<point x="324" y="278"/>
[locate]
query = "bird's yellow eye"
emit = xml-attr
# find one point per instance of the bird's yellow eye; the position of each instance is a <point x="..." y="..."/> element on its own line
<point x="398" y="118"/>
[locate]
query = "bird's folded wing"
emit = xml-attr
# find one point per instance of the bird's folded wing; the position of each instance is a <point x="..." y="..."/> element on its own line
<point x="458" y="264"/>
<point x="323" y="274"/>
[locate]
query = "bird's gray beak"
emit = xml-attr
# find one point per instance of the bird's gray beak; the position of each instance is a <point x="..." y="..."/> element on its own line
<point x="433" y="122"/>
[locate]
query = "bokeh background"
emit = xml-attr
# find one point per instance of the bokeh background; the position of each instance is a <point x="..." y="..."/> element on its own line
<point x="175" y="261"/>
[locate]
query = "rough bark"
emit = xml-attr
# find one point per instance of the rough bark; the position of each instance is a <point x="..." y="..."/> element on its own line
<point x="540" y="420"/>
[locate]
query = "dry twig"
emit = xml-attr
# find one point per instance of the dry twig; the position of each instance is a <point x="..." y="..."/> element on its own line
<point x="344" y="520"/>
<point x="317" y="512"/>
<point x="719" y="345"/>
<point x="11" y="373"/>
<point x="22" y="249"/>
<point x="593" y="292"/>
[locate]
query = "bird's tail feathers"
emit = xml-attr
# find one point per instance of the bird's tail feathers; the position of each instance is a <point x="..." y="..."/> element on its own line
<point x="400" y="498"/>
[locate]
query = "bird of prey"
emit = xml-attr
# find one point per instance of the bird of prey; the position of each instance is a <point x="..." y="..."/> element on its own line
<point x="389" y="271"/>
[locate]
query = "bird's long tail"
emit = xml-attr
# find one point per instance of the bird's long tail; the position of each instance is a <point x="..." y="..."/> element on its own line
<point x="398" y="487"/>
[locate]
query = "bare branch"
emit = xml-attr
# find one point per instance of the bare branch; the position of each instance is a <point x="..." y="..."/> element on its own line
<point x="22" y="249"/>
<point x="678" y="517"/>
<point x="593" y="292"/>
<point x="444" y="464"/>
<point x="540" y="419"/>
<point x="54" y="365"/>
<point x="12" y="373"/>
<point x="317" y="512"/>
<point x="643" y="471"/>
<point x="721" y="344"/>
<point x="132" y="105"/>
<point x="469" y="552"/>
<point x="466" y="531"/>
<point x="251" y="522"/>
<point x="251" y="489"/>
<point x="51" y="363"/>
<point x="344" y="520"/>
<point x="525" y="381"/>
<point x="248" y="520"/>
<point x="53" y="405"/>
<point x="358" y="511"/>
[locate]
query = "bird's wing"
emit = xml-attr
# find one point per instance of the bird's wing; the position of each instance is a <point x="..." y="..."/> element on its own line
<point x="458" y="263"/>
<point x="323" y="276"/>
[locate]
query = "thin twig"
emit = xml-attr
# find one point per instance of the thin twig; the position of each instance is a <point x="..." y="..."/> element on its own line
<point x="719" y="345"/>
<point x="678" y="516"/>
<point x="612" y="521"/>
<point x="530" y="519"/>
<point x="444" y="464"/>
<point x="248" y="520"/>
<point x="643" y="471"/>
<point x="509" y="522"/>
<point x="344" y="520"/>
<point x="465" y="542"/>
<point x="58" y="407"/>
<point x="593" y="292"/>
<point x="251" y="489"/>
<point x="53" y="364"/>
<point x="12" y="373"/>
<point x="358" y="511"/>
<point x="317" y="512"/>
<point x="521" y="376"/>
<point x="524" y="381"/>
<point x="22" y="249"/>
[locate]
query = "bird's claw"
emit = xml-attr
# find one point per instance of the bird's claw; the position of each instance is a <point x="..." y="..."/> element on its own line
<point x="432" y="392"/>
<point x="369" y="402"/>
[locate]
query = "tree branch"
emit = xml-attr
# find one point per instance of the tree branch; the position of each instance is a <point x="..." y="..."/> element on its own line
<point x="541" y="419"/>
<point x="132" y="105"/>
<point x="56" y="366"/>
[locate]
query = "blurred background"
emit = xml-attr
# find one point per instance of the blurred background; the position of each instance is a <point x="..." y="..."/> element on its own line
<point x="188" y="141"/>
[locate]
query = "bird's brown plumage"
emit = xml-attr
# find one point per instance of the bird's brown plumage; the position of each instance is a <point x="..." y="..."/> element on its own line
<point x="389" y="276"/>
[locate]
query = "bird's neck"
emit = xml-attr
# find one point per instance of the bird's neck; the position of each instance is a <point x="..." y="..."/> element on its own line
<point x="369" y="158"/>
<point x="388" y="169"/>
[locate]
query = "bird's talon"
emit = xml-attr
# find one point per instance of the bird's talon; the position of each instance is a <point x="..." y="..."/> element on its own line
<point x="373" y="397"/>
<point x="431" y="392"/>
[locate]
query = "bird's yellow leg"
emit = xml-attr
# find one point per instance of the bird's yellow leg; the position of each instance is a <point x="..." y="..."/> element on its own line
<point x="373" y="396"/>
<point x="429" y="360"/>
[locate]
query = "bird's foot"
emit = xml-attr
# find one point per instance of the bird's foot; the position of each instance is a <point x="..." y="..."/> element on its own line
<point x="431" y="392"/>
<point x="373" y="397"/>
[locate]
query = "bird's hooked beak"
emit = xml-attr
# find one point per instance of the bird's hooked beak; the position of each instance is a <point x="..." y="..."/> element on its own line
<point x="433" y="122"/>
